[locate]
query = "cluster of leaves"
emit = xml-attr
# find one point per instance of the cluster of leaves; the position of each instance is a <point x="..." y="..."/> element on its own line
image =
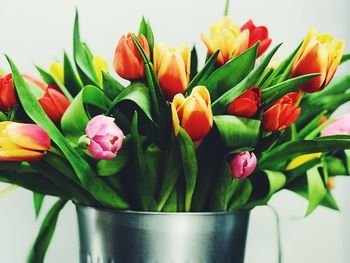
<point x="157" y="171"/>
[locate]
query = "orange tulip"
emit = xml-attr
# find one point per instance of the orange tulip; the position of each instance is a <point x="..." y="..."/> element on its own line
<point x="22" y="142"/>
<point x="173" y="68"/>
<point x="319" y="53"/>
<point x="227" y="37"/>
<point x="193" y="113"/>
<point x="7" y="93"/>
<point x="127" y="61"/>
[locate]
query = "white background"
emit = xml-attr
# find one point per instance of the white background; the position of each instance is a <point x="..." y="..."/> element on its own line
<point x="37" y="31"/>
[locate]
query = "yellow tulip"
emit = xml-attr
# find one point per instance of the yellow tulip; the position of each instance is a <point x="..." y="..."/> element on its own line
<point x="227" y="37"/>
<point x="57" y="70"/>
<point x="173" y="68"/>
<point x="319" y="53"/>
<point x="100" y="65"/>
<point x="300" y="160"/>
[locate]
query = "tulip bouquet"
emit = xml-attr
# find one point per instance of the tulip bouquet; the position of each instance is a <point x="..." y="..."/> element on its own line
<point x="175" y="139"/>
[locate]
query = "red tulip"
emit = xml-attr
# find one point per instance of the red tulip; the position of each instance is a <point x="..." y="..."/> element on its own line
<point x="127" y="61"/>
<point x="257" y="33"/>
<point x="247" y="104"/>
<point x="54" y="103"/>
<point x="7" y="93"/>
<point x="282" y="114"/>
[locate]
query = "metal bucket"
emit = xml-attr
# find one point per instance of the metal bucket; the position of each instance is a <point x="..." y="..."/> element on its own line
<point x="127" y="236"/>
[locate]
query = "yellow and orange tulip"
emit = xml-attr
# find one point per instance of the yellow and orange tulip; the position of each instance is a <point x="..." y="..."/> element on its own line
<point x="57" y="70"/>
<point x="228" y="37"/>
<point x="22" y="142"/>
<point x="173" y="68"/>
<point x="319" y="53"/>
<point x="193" y="113"/>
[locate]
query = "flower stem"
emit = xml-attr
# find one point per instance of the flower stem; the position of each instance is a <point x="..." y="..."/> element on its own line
<point x="227" y="6"/>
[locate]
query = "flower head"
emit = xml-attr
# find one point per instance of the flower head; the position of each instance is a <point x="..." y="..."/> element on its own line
<point x="243" y="164"/>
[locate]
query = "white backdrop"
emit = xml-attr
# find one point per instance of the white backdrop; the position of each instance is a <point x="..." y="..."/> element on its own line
<point x="37" y="31"/>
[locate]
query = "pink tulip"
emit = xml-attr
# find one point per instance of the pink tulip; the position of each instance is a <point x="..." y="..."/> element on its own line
<point x="339" y="126"/>
<point x="242" y="164"/>
<point x="106" y="138"/>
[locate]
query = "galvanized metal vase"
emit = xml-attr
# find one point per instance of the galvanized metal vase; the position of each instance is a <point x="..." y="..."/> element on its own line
<point x="111" y="236"/>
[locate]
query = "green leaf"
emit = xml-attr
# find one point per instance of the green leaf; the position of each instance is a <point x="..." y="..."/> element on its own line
<point x="265" y="184"/>
<point x="194" y="63"/>
<point x="82" y="57"/>
<point x="277" y="91"/>
<point x="160" y="108"/>
<point x="241" y="195"/>
<point x="71" y="80"/>
<point x="137" y="93"/>
<point x="237" y="132"/>
<point x="223" y="188"/>
<point x="345" y="58"/>
<point x="290" y="150"/>
<point x="146" y="30"/>
<point x="282" y="72"/>
<point x="51" y="79"/>
<point x="118" y="163"/>
<point x="89" y="95"/>
<point x="204" y="73"/>
<point x="100" y="191"/>
<point x="316" y="189"/>
<point x="232" y="73"/>
<point x="171" y="203"/>
<point x="146" y="200"/>
<point x="111" y="87"/>
<point x="312" y="125"/>
<point x="47" y="229"/>
<point x="189" y="164"/>
<point x="38" y="201"/>
<point x="172" y="171"/>
<point x="220" y="105"/>
<point x="154" y="165"/>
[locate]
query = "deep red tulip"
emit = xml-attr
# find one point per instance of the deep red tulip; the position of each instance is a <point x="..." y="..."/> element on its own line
<point x="54" y="103"/>
<point x="257" y="33"/>
<point x="247" y="104"/>
<point x="7" y="93"/>
<point x="282" y="114"/>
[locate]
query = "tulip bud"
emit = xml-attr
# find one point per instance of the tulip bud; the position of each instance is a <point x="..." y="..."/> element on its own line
<point x="106" y="138"/>
<point x="319" y="53"/>
<point x="22" y="142"/>
<point x="331" y="183"/>
<point x="57" y="70"/>
<point x="247" y="104"/>
<point x="257" y="33"/>
<point x="339" y="126"/>
<point x="242" y="165"/>
<point x="282" y="114"/>
<point x="7" y="93"/>
<point x="173" y="68"/>
<point x="100" y="65"/>
<point x="127" y="61"/>
<point x="193" y="113"/>
<point x="54" y="103"/>
<point x="227" y="37"/>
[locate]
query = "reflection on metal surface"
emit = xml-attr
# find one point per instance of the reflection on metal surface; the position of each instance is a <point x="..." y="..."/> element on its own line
<point x="108" y="236"/>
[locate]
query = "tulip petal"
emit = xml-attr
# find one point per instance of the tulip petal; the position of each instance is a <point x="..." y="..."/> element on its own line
<point x="21" y="155"/>
<point x="335" y="60"/>
<point x="28" y="136"/>
<point x="313" y="60"/>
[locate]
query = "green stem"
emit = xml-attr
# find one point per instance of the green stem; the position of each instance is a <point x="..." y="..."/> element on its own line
<point x="227" y="6"/>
